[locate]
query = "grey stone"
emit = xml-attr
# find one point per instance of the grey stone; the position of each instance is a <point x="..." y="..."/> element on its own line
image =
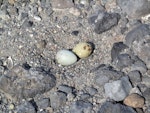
<point x="1" y="1"/>
<point x="137" y="34"/>
<point x="105" y="22"/>
<point x="65" y="89"/>
<point x="139" y="40"/>
<point x="2" y="30"/>
<point x="101" y="79"/>
<point x="57" y="99"/>
<point x="92" y="18"/>
<point x="103" y="75"/>
<point x="126" y="84"/>
<point x="139" y="65"/>
<point x="109" y="107"/>
<point x="43" y="103"/>
<point x="135" y="8"/>
<point x="81" y="107"/>
<point x="146" y="95"/>
<point x="118" y="90"/>
<point x="26" y="107"/>
<point x="20" y="84"/>
<point x="134" y="76"/>
<point x="75" y="33"/>
<point x="117" y="48"/>
<point x="123" y="60"/>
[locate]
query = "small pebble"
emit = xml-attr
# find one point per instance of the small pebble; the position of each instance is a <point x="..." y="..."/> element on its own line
<point x="83" y="49"/>
<point x="66" y="57"/>
<point x="38" y="18"/>
<point x="134" y="100"/>
<point x="74" y="11"/>
<point x="75" y="33"/>
<point x="11" y="106"/>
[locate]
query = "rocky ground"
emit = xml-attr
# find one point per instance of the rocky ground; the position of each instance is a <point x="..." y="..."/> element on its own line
<point x="115" y="78"/>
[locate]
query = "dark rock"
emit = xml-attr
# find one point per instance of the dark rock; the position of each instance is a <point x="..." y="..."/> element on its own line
<point x="123" y="60"/>
<point x="2" y="31"/>
<point x="65" y="89"/>
<point x="139" y="65"/>
<point x="139" y="40"/>
<point x="26" y="66"/>
<point x="26" y="107"/>
<point x="117" y="49"/>
<point x="135" y="76"/>
<point x="136" y="8"/>
<point x="104" y="74"/>
<point x="109" y="107"/>
<point x="81" y="107"/>
<point x="22" y="84"/>
<point x="43" y="103"/>
<point x="1" y="1"/>
<point x="92" y="19"/>
<point x="137" y="34"/>
<point x="146" y="94"/>
<point x="105" y="22"/>
<point x="75" y="33"/>
<point x="57" y="99"/>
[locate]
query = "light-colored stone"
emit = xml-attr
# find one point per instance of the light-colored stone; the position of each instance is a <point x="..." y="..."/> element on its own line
<point x="118" y="90"/>
<point x="134" y="100"/>
<point x="74" y="11"/>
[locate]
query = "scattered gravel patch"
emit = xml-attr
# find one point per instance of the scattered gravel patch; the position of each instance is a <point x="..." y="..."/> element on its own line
<point x="104" y="74"/>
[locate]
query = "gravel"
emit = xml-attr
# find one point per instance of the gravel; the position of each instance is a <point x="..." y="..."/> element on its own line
<point x="31" y="34"/>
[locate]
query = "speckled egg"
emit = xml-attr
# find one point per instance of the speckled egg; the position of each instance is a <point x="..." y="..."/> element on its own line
<point x="66" y="57"/>
<point x="83" y="49"/>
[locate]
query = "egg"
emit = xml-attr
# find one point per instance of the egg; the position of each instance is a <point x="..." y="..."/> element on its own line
<point x="66" y="57"/>
<point x="83" y="49"/>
